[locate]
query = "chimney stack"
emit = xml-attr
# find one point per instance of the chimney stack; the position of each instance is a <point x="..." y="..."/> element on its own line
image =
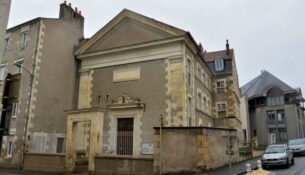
<point x="227" y="47"/>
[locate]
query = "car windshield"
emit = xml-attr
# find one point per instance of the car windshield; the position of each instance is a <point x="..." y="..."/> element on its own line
<point x="275" y="149"/>
<point x="297" y="142"/>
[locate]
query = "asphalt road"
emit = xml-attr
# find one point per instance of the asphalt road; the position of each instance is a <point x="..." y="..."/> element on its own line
<point x="297" y="169"/>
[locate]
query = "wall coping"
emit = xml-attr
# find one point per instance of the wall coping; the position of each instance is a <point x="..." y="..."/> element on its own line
<point x="45" y="154"/>
<point x="196" y="127"/>
<point x="123" y="157"/>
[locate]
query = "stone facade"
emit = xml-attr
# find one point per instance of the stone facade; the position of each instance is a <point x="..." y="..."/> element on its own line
<point x="4" y="14"/>
<point x="40" y="51"/>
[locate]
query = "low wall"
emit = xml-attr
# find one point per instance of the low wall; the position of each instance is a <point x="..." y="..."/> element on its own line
<point x="192" y="149"/>
<point x="44" y="162"/>
<point x="123" y="165"/>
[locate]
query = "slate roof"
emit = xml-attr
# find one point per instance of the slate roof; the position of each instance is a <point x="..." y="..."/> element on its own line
<point x="262" y="83"/>
<point x="212" y="56"/>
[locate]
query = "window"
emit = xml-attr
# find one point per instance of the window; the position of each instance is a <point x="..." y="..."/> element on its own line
<point x="221" y="107"/>
<point x="199" y="101"/>
<point x="219" y="64"/>
<point x="280" y="116"/>
<point x="2" y="70"/>
<point x="6" y="44"/>
<point x="209" y="107"/>
<point x="24" y="38"/>
<point x="60" y="145"/>
<point x="204" y="104"/>
<point x="14" y="110"/>
<point x="19" y="65"/>
<point x="220" y="84"/>
<point x="189" y="111"/>
<point x="189" y="80"/>
<point x="9" y="152"/>
<point x="39" y="144"/>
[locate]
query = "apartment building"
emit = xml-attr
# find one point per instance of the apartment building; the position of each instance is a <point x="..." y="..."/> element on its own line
<point x="38" y="77"/>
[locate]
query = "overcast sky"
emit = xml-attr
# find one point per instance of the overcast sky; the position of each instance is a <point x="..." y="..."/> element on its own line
<point x="266" y="35"/>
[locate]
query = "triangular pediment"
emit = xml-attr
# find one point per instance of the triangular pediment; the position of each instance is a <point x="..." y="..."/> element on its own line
<point x="128" y="32"/>
<point x="128" y="28"/>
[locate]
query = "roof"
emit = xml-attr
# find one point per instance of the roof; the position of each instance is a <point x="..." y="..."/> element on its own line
<point x="125" y="13"/>
<point x="212" y="56"/>
<point x="32" y="21"/>
<point x="262" y="83"/>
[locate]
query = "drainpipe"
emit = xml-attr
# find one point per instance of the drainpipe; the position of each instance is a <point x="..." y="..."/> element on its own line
<point x="160" y="155"/>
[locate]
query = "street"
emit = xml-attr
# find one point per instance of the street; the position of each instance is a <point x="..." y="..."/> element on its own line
<point x="297" y="169"/>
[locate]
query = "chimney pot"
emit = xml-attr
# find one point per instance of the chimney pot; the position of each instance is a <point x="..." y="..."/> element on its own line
<point x="65" y="2"/>
<point x="227" y="47"/>
<point x="70" y="5"/>
<point x="76" y="10"/>
<point x="80" y="12"/>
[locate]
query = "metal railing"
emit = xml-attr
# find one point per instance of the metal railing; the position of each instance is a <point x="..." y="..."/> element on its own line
<point x="128" y="143"/>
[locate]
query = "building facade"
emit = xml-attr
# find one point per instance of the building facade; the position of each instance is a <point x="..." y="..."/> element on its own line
<point x="276" y="111"/>
<point x="225" y="88"/>
<point x="38" y="84"/>
<point x="4" y="14"/>
<point x="105" y="97"/>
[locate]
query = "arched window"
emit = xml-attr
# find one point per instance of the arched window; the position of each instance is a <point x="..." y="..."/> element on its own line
<point x="275" y="97"/>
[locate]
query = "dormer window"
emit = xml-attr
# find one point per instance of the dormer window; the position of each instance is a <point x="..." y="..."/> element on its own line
<point x="219" y="64"/>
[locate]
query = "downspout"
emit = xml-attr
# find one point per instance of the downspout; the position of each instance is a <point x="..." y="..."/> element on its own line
<point x="32" y="75"/>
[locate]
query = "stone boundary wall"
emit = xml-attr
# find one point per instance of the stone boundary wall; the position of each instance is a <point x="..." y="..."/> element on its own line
<point x="123" y="165"/>
<point x="192" y="149"/>
<point x="44" y="162"/>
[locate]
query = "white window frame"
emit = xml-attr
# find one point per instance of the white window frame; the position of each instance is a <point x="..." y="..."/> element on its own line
<point x="2" y="71"/>
<point x="10" y="146"/>
<point x="221" y="83"/>
<point x="6" y="44"/>
<point x="24" y="36"/>
<point x="219" y="64"/>
<point x="223" y="109"/>
<point x="19" y="69"/>
<point x="14" y="110"/>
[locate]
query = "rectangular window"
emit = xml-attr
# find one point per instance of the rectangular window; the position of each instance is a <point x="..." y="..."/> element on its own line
<point x="60" y="146"/>
<point x="280" y="116"/>
<point x="221" y="107"/>
<point x="19" y="65"/>
<point x="126" y="74"/>
<point x="189" y="77"/>
<point x="24" y="38"/>
<point x="220" y="84"/>
<point x="2" y="70"/>
<point x="219" y="64"/>
<point x="204" y="108"/>
<point x="189" y="111"/>
<point x="10" y="143"/>
<point x="39" y="143"/>
<point x="199" y="101"/>
<point x="6" y="44"/>
<point x="14" y="110"/>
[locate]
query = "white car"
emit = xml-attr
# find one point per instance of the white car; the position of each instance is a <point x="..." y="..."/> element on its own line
<point x="277" y="155"/>
<point x="297" y="146"/>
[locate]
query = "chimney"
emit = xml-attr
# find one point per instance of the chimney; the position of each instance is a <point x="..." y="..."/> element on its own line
<point x="200" y="47"/>
<point x="67" y="13"/>
<point x="227" y="48"/>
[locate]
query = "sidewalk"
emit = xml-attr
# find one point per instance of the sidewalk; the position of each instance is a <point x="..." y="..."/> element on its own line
<point x="237" y="168"/>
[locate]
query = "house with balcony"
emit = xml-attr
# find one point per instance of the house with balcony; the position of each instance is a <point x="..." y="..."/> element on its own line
<point x="275" y="110"/>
